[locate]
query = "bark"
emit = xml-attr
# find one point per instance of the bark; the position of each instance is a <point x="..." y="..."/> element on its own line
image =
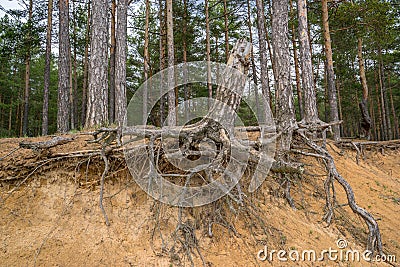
<point x="365" y="118"/>
<point x="120" y="62"/>
<point x="146" y="60"/>
<point x="97" y="110"/>
<point x="385" y="126"/>
<point x="171" y="63"/>
<point x="253" y="64"/>
<point x="296" y="68"/>
<point x="284" y="102"/>
<point x="185" y="71"/>
<point x="86" y="67"/>
<point x="75" y="72"/>
<point x="63" y="108"/>
<point x="27" y="72"/>
<point x="334" y="114"/>
<point x="45" y="116"/>
<point x="208" y="54"/>
<point x="310" y="99"/>
<point x="111" y="109"/>
<point x="380" y="125"/>
<point x="385" y="102"/>
<point x="395" y="119"/>
<point x="162" y="42"/>
<point x="262" y="48"/>
<point x="226" y="30"/>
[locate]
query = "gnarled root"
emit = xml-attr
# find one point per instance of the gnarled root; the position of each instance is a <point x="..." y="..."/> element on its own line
<point x="374" y="242"/>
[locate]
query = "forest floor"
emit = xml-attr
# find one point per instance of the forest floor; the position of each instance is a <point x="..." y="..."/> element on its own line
<point x="54" y="219"/>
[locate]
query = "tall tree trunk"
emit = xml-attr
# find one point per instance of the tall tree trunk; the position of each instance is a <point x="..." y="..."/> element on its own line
<point x="226" y="30"/>
<point x="120" y="62"/>
<point x="334" y="114"/>
<point x="385" y="126"/>
<point x="262" y="48"/>
<point x="74" y="110"/>
<point x="97" y="110"/>
<point x="310" y="99"/>
<point x="185" y="70"/>
<point x="111" y="108"/>
<point x="162" y="42"/>
<point x="208" y="54"/>
<point x="395" y="119"/>
<point x="27" y="71"/>
<point x="86" y="66"/>
<point x="171" y="63"/>
<point x="63" y="108"/>
<point x="45" y="115"/>
<point x="146" y="60"/>
<point x="365" y="118"/>
<point x="380" y="125"/>
<point x="284" y="103"/>
<point x="71" y="93"/>
<point x="253" y="64"/>
<point x="296" y="66"/>
<point x="385" y="102"/>
<point x="10" y="112"/>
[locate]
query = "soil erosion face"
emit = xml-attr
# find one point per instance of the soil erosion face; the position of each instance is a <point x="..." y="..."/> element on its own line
<point x="53" y="219"/>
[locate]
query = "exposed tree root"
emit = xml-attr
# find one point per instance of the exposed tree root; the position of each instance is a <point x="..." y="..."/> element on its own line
<point x="374" y="242"/>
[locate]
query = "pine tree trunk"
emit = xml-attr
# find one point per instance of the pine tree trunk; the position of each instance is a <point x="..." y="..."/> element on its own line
<point x="395" y="119"/>
<point x="27" y="72"/>
<point x="380" y="125"/>
<point x="208" y="54"/>
<point x="365" y="118"/>
<point x="97" y="110"/>
<point x="226" y="31"/>
<point x="162" y="43"/>
<point x="111" y="108"/>
<point x="86" y="66"/>
<point x="385" y="127"/>
<point x="283" y="88"/>
<point x="171" y="63"/>
<point x="296" y="67"/>
<point x="253" y="64"/>
<point x="120" y="62"/>
<point x="385" y="102"/>
<point x="185" y="70"/>
<point x="75" y="73"/>
<point x="63" y="107"/>
<point x="146" y="60"/>
<point x="310" y="99"/>
<point x="263" y="49"/>
<point x="45" y="115"/>
<point x="332" y="96"/>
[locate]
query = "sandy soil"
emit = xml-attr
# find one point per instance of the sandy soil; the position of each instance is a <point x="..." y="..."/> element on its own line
<point x="53" y="219"/>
